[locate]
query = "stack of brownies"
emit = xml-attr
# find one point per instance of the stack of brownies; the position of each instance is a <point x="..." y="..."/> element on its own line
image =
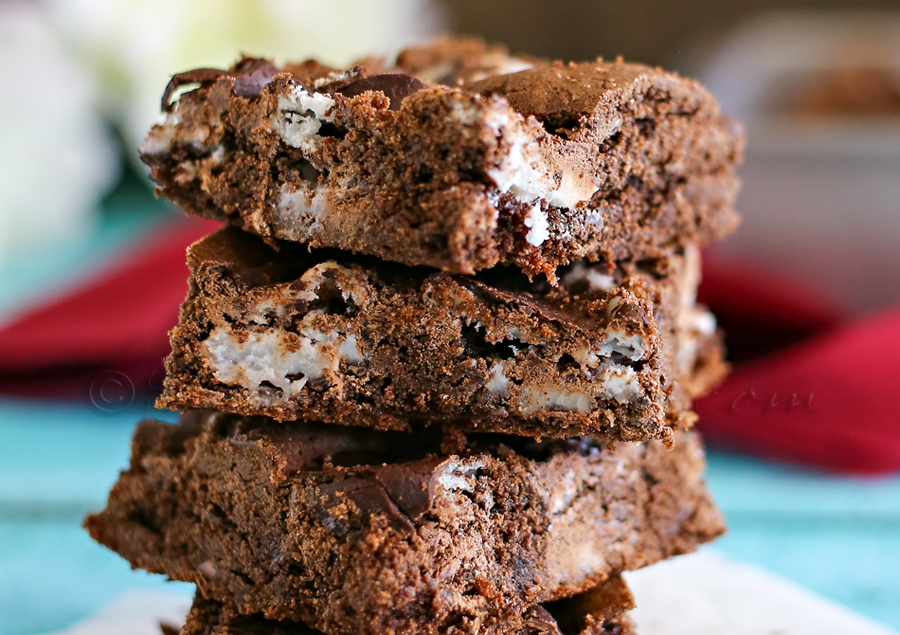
<point x="483" y="267"/>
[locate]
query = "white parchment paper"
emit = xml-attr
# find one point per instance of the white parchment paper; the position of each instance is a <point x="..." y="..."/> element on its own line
<point x="699" y="594"/>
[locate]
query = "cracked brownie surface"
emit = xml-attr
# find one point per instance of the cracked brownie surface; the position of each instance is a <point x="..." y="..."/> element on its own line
<point x="456" y="156"/>
<point x="597" y="611"/>
<point x="331" y="337"/>
<point x="354" y="531"/>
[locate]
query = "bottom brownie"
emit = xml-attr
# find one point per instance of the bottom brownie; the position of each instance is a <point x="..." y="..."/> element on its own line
<point x="597" y="611"/>
<point x="356" y="531"/>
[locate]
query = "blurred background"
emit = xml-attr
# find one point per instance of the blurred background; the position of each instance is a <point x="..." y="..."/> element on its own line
<point x="817" y="85"/>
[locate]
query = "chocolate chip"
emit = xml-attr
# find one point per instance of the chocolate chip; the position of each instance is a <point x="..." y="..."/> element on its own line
<point x="401" y="493"/>
<point x="319" y="384"/>
<point x="251" y="75"/>
<point x="410" y="485"/>
<point x="334" y="83"/>
<point x="395" y="86"/>
<point x="539" y="621"/>
<point x="369" y="497"/>
<point x="631" y="313"/>
<point x="196" y="76"/>
<point x="526" y="304"/>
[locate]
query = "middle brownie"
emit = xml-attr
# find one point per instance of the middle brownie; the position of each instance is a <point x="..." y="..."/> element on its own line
<point x="332" y="337"/>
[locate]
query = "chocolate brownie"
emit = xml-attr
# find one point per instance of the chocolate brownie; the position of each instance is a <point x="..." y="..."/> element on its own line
<point x="293" y="334"/>
<point x="518" y="162"/>
<point x="353" y="531"/>
<point x="597" y="611"/>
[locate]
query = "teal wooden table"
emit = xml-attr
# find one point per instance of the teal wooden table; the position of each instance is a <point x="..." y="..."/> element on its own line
<point x="839" y="536"/>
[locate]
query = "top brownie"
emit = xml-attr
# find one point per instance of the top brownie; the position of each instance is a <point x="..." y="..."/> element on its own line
<point x="455" y="155"/>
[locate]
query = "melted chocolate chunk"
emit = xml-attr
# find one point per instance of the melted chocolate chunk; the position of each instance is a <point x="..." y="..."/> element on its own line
<point x="369" y="497"/>
<point x="528" y="304"/>
<point x="251" y="75"/>
<point x="411" y="485"/>
<point x="196" y="76"/>
<point x="631" y="313"/>
<point x="401" y="492"/>
<point x="395" y="87"/>
<point x="538" y="621"/>
<point x="336" y="83"/>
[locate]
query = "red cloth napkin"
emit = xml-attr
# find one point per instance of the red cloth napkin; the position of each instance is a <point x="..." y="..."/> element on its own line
<point x="104" y="340"/>
<point x="809" y="385"/>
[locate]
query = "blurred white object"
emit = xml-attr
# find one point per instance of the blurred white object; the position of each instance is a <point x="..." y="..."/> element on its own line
<point x="709" y="594"/>
<point x="135" y="613"/>
<point x="821" y="196"/>
<point x="137" y="45"/>
<point x="56" y="155"/>
<point x="699" y="594"/>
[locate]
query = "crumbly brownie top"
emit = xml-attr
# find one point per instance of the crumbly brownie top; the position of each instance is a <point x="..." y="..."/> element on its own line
<point x="460" y="61"/>
<point x="517" y="161"/>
